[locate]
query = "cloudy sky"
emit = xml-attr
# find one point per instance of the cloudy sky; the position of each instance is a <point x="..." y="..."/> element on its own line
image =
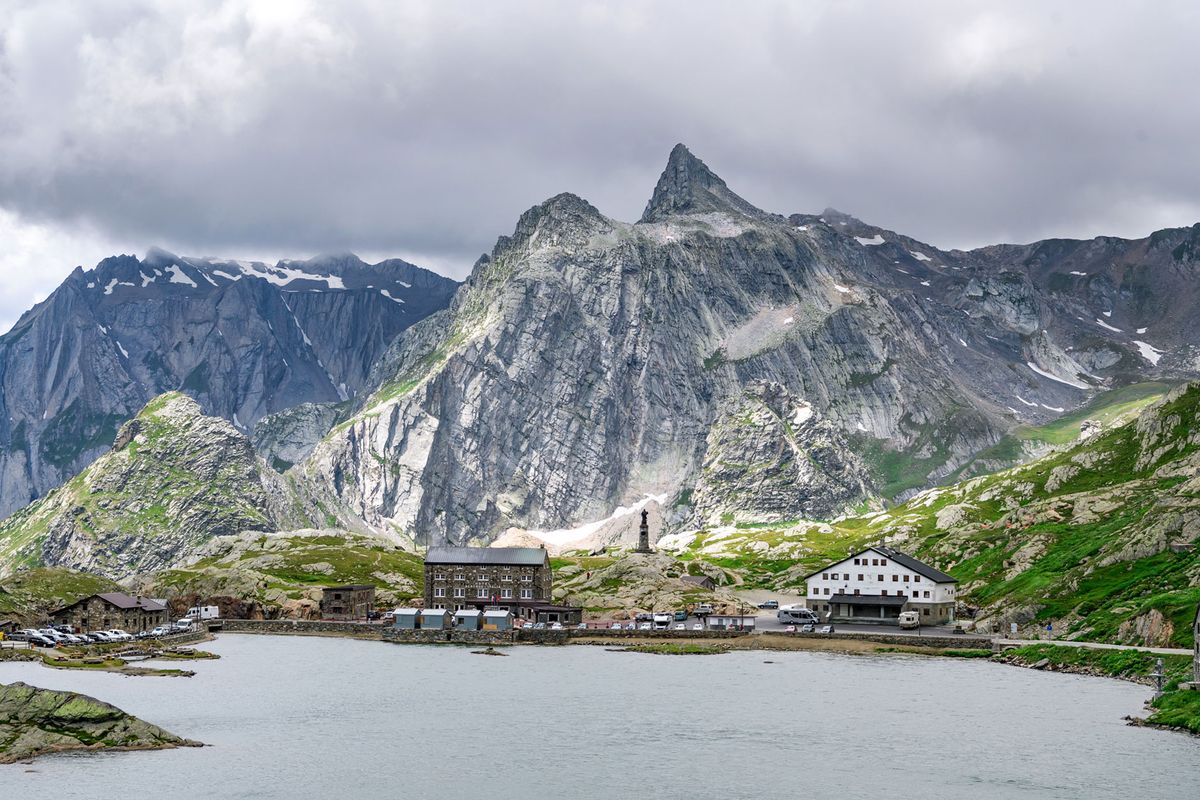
<point x="285" y="129"/>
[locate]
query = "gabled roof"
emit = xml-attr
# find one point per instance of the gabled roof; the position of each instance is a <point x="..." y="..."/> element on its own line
<point x="901" y="558"/>
<point x="515" y="556"/>
<point x="122" y="600"/>
<point x="467" y="612"/>
<point x="495" y="612"/>
<point x="406" y="612"/>
<point x="441" y="612"/>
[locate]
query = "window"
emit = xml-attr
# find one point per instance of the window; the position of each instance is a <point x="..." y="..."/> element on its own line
<point x="860" y="577"/>
<point x="439" y="591"/>
<point x="458" y="576"/>
<point x="881" y="579"/>
<point x="526" y="579"/>
<point x="506" y="578"/>
<point x="906" y="579"/>
<point x="527" y="594"/>
<point x="916" y="578"/>
<point x="825" y="576"/>
<point x="439" y="576"/>
<point x="506" y="594"/>
<point x="856" y="562"/>
<point x="437" y="606"/>
<point x="835" y="576"/>
<point x="925" y="611"/>
<point x="482" y="593"/>
<point x="895" y="579"/>
<point x="856" y="591"/>
<point x="927" y="593"/>
<point x="826" y="591"/>
<point x="884" y="592"/>
<point x="459" y="591"/>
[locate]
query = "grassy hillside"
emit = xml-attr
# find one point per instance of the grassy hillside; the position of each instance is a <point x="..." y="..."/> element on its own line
<point x="1097" y="539"/>
<point x="33" y="592"/>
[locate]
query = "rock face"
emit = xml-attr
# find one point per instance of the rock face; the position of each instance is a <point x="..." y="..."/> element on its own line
<point x="244" y="339"/>
<point x="585" y="362"/>
<point x="35" y="722"/>
<point x="175" y="479"/>
<point x="288" y="437"/>
<point x="769" y="458"/>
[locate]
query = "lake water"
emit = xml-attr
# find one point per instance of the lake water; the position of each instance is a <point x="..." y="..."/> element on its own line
<point x="293" y="717"/>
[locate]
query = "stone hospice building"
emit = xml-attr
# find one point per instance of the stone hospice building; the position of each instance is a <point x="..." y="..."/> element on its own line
<point x="515" y="579"/>
<point x="347" y="602"/>
<point x="112" y="610"/>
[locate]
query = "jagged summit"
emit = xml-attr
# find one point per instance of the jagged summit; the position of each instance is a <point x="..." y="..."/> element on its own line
<point x="688" y="186"/>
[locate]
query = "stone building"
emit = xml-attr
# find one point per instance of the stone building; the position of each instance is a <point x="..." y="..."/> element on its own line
<point x="347" y="602"/>
<point x="112" y="610"/>
<point x="515" y="579"/>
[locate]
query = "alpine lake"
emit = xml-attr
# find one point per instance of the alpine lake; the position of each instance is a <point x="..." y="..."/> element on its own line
<point x="299" y="717"/>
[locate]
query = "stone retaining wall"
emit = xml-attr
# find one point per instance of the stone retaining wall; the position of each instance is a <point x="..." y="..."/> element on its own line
<point x="954" y="642"/>
<point x="302" y="627"/>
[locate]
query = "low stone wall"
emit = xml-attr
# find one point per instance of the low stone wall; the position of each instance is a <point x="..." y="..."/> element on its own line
<point x="401" y="636"/>
<point x="304" y="627"/>
<point x="953" y="642"/>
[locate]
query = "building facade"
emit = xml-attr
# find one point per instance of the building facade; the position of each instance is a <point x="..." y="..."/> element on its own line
<point x="516" y="579"/>
<point x="347" y="602"/>
<point x="877" y="584"/>
<point x="112" y="611"/>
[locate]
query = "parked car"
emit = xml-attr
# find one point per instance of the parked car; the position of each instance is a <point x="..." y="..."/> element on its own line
<point x="583" y="626"/>
<point x="769" y="604"/>
<point x="181" y="625"/>
<point x="616" y="626"/>
<point x="631" y="626"/>
<point x="539" y="626"/>
<point x="37" y="640"/>
<point x="699" y="626"/>
<point x="161" y="630"/>
<point x="97" y="637"/>
<point x="645" y="626"/>
<point x="73" y="639"/>
<point x="827" y="629"/>
<point x="810" y="629"/>
<point x="118" y="635"/>
<point x="703" y="610"/>
<point x="679" y="626"/>
<point x="644" y="617"/>
<point x="556" y="626"/>
<point x="681" y="616"/>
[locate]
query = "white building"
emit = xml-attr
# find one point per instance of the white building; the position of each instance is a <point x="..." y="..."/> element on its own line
<point x="877" y="584"/>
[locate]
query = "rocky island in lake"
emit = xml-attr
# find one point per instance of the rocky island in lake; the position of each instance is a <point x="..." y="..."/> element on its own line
<point x="35" y="722"/>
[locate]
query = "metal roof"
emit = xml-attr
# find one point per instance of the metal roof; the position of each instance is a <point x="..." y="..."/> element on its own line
<point x="869" y="599"/>
<point x="515" y="556"/>
<point x="349" y="587"/>
<point x="440" y="612"/>
<point x="495" y="612"/>
<point x="468" y="612"/>
<point x="920" y="567"/>
<point x="406" y="612"/>
<point x="901" y="558"/>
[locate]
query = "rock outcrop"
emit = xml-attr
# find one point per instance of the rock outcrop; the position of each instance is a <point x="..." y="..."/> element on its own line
<point x="35" y="722"/>
<point x="179" y="479"/>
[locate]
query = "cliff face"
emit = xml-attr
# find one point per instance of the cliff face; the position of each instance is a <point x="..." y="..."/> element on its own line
<point x="244" y="339"/>
<point x="585" y="362"/>
<point x="35" y="722"/>
<point x="174" y="479"/>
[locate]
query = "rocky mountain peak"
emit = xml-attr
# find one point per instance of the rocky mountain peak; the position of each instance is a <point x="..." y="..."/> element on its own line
<point x="688" y="186"/>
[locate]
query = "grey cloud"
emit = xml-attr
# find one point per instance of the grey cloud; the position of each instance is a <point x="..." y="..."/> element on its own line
<point x="427" y="128"/>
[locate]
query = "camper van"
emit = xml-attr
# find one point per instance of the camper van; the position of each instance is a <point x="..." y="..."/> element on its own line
<point x="203" y="612"/>
<point x="662" y="622"/>
<point x="797" y="615"/>
<point x="909" y="620"/>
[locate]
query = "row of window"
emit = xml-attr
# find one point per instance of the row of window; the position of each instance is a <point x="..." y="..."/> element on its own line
<point x="483" y="593"/>
<point x="459" y="576"/>
<point x="845" y="576"/>
<point x="825" y="607"/>
<point x="884" y="593"/>
<point x="873" y="562"/>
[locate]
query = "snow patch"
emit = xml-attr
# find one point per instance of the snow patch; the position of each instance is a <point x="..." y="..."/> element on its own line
<point x="177" y="275"/>
<point x="924" y="283"/>
<point x="1141" y="330"/>
<point x="874" y="240"/>
<point x="1107" y="313"/>
<point x="1054" y="377"/>
<point x="919" y="256"/>
<point x="1151" y="354"/>
<point x="1080" y="274"/>
<point x="564" y="536"/>
<point x="1106" y="326"/>
<point x="1052" y="408"/>
<point x="1026" y="402"/>
<point x="789" y="320"/>
<point x="842" y="289"/>
<point x="391" y="296"/>
<point x="803" y="414"/>
<point x="964" y="344"/>
<point x="237" y="422"/>
<point x="124" y="352"/>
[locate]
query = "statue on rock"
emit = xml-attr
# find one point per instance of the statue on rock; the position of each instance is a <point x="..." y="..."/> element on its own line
<point x="644" y="534"/>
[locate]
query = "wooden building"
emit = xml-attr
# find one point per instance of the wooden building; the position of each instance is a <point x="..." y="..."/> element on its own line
<point x="347" y="602"/>
<point x="112" y="610"/>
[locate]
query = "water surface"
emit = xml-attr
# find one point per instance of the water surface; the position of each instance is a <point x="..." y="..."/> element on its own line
<point x="296" y="717"/>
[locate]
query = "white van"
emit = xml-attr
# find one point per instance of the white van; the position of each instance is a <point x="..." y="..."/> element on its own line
<point x="662" y="622"/>
<point x="797" y="615"/>
<point x="203" y="612"/>
<point x="909" y="620"/>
